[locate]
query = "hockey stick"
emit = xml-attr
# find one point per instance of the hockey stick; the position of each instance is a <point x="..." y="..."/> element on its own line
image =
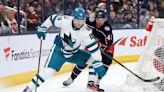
<point x="48" y="56"/>
<point x="145" y="80"/>
<point x="110" y="57"/>
<point x="40" y="51"/>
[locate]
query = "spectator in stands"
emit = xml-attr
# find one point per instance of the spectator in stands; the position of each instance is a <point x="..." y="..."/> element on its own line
<point x="1" y="20"/>
<point x="33" y="16"/>
<point x="152" y="11"/>
<point x="160" y="8"/>
<point x="79" y="4"/>
<point x="116" y="5"/>
<point x="3" y="2"/>
<point x="2" y="8"/>
<point x="111" y="7"/>
<point x="11" y="21"/>
<point x="129" y="20"/>
<point x="119" y="9"/>
<point x="102" y="6"/>
<point x="2" y="13"/>
<point x="129" y="17"/>
<point x="147" y="2"/>
<point x="144" y="17"/>
<point x="112" y="19"/>
<point x="119" y="17"/>
<point x="91" y="9"/>
<point x="52" y="7"/>
<point x="39" y="11"/>
<point x="12" y="3"/>
<point x="34" y="4"/>
<point x="4" y="27"/>
<point x="3" y="23"/>
<point x="157" y="15"/>
<point x="26" y="9"/>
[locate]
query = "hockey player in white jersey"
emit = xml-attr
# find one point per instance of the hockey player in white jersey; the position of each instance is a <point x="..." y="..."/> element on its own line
<point x="103" y="33"/>
<point x="73" y="38"/>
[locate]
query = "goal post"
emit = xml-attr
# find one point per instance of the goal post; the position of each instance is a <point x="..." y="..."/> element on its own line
<point x="151" y="62"/>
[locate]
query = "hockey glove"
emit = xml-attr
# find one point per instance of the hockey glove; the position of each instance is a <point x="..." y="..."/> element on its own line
<point x="99" y="68"/>
<point x="110" y="49"/>
<point x="41" y="32"/>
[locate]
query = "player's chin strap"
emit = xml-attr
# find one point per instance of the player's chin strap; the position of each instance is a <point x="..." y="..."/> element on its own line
<point x="110" y="57"/>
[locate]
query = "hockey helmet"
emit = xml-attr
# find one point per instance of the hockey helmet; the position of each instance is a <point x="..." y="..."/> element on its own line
<point x="100" y="14"/>
<point x="79" y="13"/>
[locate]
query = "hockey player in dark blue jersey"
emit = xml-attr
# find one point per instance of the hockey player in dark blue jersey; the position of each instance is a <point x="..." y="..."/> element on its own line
<point x="103" y="33"/>
<point x="74" y="37"/>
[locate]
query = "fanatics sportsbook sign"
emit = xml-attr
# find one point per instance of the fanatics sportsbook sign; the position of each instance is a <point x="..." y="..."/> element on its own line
<point x="20" y="53"/>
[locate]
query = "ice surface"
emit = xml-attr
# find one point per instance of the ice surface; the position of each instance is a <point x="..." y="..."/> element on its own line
<point x="112" y="82"/>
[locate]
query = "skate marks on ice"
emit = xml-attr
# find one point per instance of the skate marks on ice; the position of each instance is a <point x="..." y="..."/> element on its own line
<point x="112" y="82"/>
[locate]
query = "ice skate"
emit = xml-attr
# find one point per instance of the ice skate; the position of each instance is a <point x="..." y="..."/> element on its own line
<point x="68" y="82"/>
<point x="94" y="88"/>
<point x="27" y="89"/>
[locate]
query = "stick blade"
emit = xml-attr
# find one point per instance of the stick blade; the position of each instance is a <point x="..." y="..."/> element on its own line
<point x="151" y="80"/>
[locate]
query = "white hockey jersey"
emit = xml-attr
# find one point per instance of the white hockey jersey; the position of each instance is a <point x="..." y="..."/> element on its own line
<point x="72" y="39"/>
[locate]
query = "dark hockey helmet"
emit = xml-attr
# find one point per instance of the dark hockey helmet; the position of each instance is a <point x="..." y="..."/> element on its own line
<point x="100" y="14"/>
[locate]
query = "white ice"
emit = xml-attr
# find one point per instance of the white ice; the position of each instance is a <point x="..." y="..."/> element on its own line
<point x="112" y="82"/>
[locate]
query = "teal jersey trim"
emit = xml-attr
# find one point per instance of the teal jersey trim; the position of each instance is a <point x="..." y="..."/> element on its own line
<point x="90" y="45"/>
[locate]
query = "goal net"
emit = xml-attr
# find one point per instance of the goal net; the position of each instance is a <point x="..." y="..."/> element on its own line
<point x="151" y="63"/>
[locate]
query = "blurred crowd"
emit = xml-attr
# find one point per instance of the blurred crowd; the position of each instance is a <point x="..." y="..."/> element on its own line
<point x="122" y="13"/>
<point x="131" y="13"/>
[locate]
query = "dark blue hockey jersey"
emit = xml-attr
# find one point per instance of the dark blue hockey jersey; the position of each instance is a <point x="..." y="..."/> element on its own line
<point x="104" y="33"/>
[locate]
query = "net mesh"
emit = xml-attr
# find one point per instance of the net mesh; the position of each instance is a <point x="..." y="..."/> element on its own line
<point x="151" y="62"/>
<point x="158" y="63"/>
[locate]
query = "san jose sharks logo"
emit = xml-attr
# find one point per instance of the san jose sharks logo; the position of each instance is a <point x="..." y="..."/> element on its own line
<point x="68" y="39"/>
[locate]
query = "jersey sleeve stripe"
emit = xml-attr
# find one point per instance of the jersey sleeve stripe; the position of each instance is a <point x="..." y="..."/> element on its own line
<point x="53" y="19"/>
<point x="39" y="77"/>
<point x="35" y="83"/>
<point x="94" y="50"/>
<point x="72" y="50"/>
<point x="90" y="45"/>
<point x="42" y="29"/>
<point x="93" y="47"/>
